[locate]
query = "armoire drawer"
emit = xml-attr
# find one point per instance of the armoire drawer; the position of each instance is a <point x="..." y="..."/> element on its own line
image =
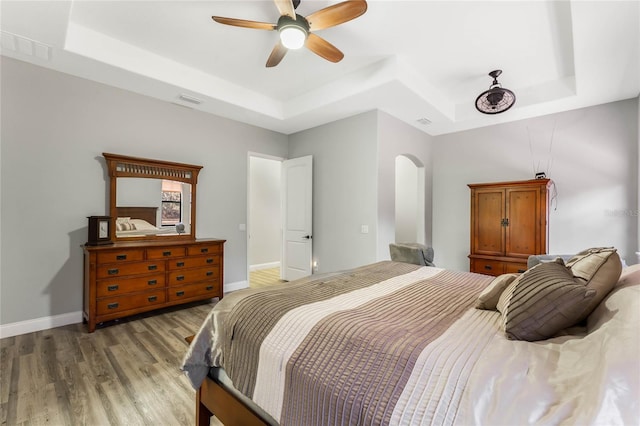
<point x="514" y="268"/>
<point x="130" y="268"/>
<point x="111" y="305"/>
<point x="487" y="267"/>
<point x="193" y="275"/>
<point x="193" y="290"/>
<point x="108" y="288"/>
<point x="194" y="262"/>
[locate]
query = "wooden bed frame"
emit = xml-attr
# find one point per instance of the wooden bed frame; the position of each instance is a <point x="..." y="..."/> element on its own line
<point x="145" y="213"/>
<point x="212" y="398"/>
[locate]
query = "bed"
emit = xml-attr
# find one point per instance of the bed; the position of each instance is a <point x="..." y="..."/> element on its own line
<point x="402" y="344"/>
<point x="138" y="222"/>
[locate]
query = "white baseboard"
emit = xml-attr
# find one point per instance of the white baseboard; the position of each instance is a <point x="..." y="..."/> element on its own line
<point x="260" y="266"/>
<point x="44" y="323"/>
<point x="238" y="285"/>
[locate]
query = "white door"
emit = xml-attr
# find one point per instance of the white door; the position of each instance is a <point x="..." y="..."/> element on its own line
<point x="297" y="182"/>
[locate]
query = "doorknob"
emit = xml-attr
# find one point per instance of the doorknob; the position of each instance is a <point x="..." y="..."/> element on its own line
<point x="307" y="237"/>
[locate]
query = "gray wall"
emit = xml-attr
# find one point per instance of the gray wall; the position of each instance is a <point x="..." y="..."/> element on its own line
<point x="54" y="129"/>
<point x="354" y="185"/>
<point x="593" y="160"/>
<point x="265" y="216"/>
<point x="397" y="138"/>
<point x="344" y="189"/>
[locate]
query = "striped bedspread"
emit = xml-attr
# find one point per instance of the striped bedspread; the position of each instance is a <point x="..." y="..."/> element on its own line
<point x="388" y="343"/>
<point x="398" y="344"/>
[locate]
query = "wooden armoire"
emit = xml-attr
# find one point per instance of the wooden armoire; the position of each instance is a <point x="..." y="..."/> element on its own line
<point x="509" y="222"/>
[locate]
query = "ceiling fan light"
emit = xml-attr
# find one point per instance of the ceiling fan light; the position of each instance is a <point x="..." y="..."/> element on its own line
<point x="292" y="37"/>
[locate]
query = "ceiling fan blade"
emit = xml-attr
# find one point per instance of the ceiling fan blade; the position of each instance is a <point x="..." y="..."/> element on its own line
<point x="277" y="54"/>
<point x="285" y="7"/>
<point x="244" y="23"/>
<point x="336" y="14"/>
<point x="322" y="47"/>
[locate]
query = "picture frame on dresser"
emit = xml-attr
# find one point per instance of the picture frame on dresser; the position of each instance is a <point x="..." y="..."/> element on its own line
<point x="144" y="271"/>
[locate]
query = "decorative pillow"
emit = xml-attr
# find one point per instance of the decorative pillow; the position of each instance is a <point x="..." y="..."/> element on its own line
<point x="125" y="226"/>
<point x="122" y="219"/>
<point x="543" y="301"/>
<point x="142" y="224"/>
<point x="599" y="269"/>
<point x="489" y="297"/>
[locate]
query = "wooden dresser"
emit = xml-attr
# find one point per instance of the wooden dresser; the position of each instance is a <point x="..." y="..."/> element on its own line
<point x="509" y="222"/>
<point x="127" y="278"/>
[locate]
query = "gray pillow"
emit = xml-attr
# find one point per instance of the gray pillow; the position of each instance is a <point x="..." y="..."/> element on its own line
<point x="543" y="301"/>
<point x="599" y="269"/>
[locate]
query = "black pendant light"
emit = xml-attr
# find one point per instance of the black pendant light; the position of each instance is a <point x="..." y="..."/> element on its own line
<point x="496" y="99"/>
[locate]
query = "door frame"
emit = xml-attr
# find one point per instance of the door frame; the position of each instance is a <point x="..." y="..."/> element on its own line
<point x="248" y="219"/>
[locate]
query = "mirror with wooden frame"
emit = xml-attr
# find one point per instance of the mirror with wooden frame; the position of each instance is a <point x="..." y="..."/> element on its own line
<point x="151" y="199"/>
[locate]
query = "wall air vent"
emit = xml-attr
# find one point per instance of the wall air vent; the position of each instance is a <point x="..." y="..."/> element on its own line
<point x="424" y="121"/>
<point x="190" y="99"/>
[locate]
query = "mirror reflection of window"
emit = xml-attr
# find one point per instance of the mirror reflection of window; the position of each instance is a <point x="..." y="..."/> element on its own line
<point x="171" y="203"/>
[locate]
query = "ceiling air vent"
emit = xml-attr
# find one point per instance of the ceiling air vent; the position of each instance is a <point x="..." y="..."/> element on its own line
<point x="25" y="46"/>
<point x="424" y="121"/>
<point x="190" y="99"/>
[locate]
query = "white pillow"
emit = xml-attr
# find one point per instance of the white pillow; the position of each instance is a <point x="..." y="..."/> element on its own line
<point x="142" y="225"/>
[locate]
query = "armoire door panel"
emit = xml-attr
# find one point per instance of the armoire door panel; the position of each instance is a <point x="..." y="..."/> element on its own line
<point x="522" y="230"/>
<point x="489" y="232"/>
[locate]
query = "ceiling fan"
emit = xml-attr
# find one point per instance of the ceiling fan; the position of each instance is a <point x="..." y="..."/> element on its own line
<point x="296" y="30"/>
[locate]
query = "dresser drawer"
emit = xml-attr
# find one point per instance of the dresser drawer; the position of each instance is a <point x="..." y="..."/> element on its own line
<point x="130" y="268"/>
<point x="487" y="267"/>
<point x="111" y="305"/>
<point x="120" y="256"/>
<point x="165" y="253"/>
<point x="108" y="288"/>
<point x="194" y="290"/>
<point x="193" y="275"/>
<point x="194" y="262"/>
<point x="204" y="249"/>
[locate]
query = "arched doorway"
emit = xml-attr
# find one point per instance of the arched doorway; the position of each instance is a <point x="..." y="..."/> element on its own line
<point x="410" y="194"/>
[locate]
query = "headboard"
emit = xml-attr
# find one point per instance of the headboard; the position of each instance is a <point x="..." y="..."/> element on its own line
<point x="145" y="213"/>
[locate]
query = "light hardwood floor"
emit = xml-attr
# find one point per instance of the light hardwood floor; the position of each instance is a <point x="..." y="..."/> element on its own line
<point x="127" y="373"/>
<point x="264" y="278"/>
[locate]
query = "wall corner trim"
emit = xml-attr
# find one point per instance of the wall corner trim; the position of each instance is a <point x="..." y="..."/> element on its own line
<point x="37" y="324"/>
<point x="238" y="285"/>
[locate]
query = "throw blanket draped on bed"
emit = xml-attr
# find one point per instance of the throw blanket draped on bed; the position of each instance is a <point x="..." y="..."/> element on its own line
<point x="388" y="343"/>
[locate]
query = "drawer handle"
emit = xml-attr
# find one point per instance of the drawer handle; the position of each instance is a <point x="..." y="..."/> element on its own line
<point x="520" y="271"/>
<point x="209" y="287"/>
<point x="112" y="287"/>
<point x="179" y="264"/>
<point x="153" y="267"/>
<point x="204" y="250"/>
<point x="488" y="267"/>
<point x="209" y="273"/>
<point x="210" y="260"/>
<point x="152" y="282"/>
<point x="166" y="253"/>
<point x="121" y="257"/>
<point x="112" y="305"/>
<point x="152" y="298"/>
<point x="180" y="278"/>
<point x="179" y="293"/>
<point x="113" y="271"/>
